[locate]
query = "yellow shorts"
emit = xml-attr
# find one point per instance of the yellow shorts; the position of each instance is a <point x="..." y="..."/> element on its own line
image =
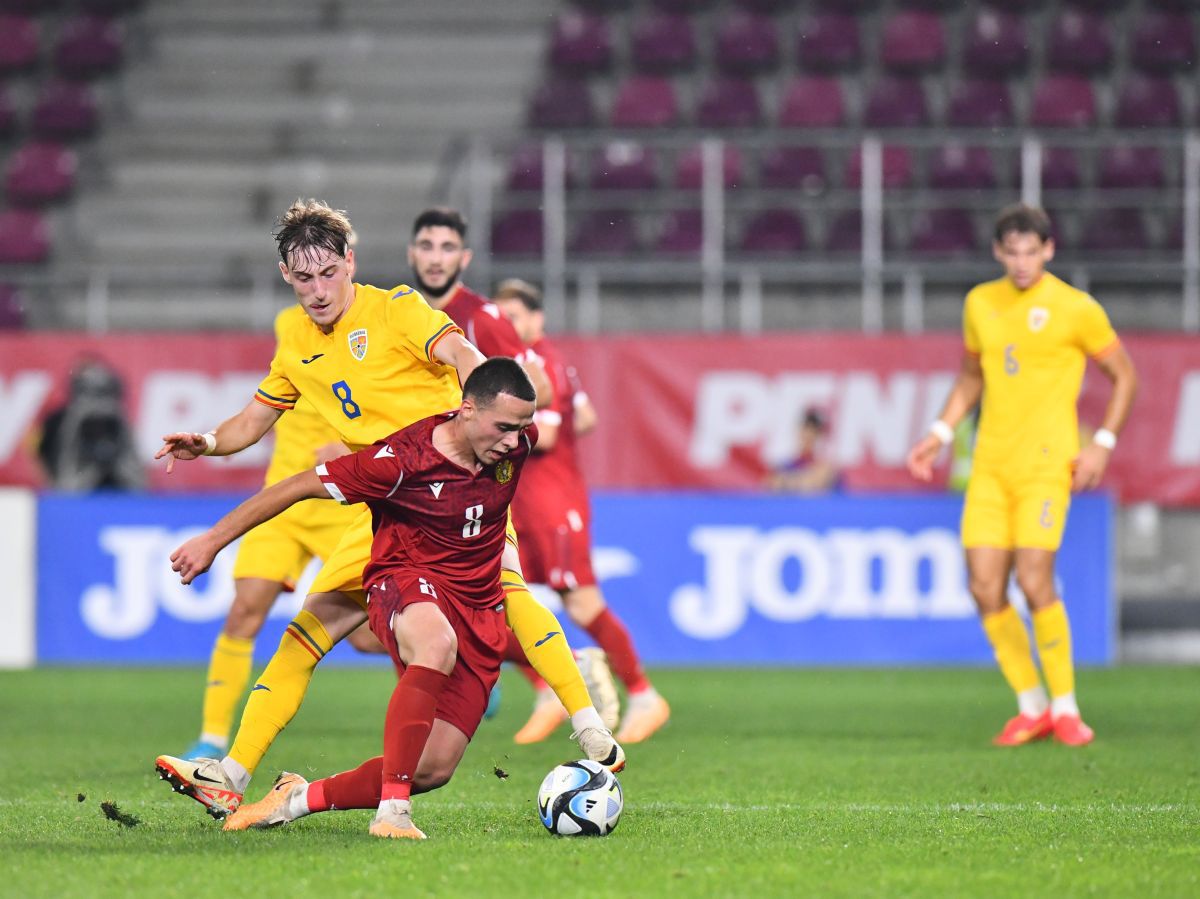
<point x="280" y="549"/>
<point x="343" y="568"/>
<point x="1006" y="513"/>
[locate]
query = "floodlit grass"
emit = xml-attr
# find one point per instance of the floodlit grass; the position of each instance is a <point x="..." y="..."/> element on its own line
<point x="766" y="783"/>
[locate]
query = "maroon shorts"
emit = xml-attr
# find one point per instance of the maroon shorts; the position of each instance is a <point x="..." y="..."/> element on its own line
<point x="556" y="546"/>
<point x="482" y="637"/>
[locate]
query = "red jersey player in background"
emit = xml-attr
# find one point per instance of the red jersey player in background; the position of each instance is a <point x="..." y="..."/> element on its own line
<point x="551" y="513"/>
<point x="438" y="255"/>
<point x="439" y="491"/>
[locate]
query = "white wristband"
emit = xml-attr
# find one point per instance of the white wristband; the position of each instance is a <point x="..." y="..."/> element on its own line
<point x="1105" y="438"/>
<point x="942" y="431"/>
<point x="210" y="443"/>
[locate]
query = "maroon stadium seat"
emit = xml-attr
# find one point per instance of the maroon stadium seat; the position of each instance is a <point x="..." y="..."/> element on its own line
<point x="828" y="41"/>
<point x="525" y="168"/>
<point x="12" y="308"/>
<point x="850" y="6"/>
<point x="1163" y="41"/>
<point x="897" y="168"/>
<point x="996" y="43"/>
<point x="729" y="103"/>
<point x="1114" y="230"/>
<point x="645" y="101"/>
<point x="606" y="232"/>
<point x="1178" y="5"/>
<point x="1064" y="101"/>
<point x="774" y="231"/>
<point x="682" y="6"/>
<point x="8" y="113"/>
<point x="896" y="103"/>
<point x="663" y="43"/>
<point x="1145" y="101"/>
<point x="845" y="233"/>
<point x="689" y="168"/>
<point x="943" y="232"/>
<point x="1060" y="169"/>
<point x="1080" y="41"/>
<point x="517" y="232"/>
<point x="88" y="46"/>
<point x="32" y="7"/>
<point x="580" y="43"/>
<point x="682" y="232"/>
<point x="1102" y="5"/>
<point x="624" y="165"/>
<point x="813" y="101"/>
<point x="65" y="110"/>
<point x="1131" y="167"/>
<point x="793" y="168"/>
<point x="767" y="6"/>
<point x="979" y="104"/>
<point x="24" y="237"/>
<point x="953" y="166"/>
<point x="18" y="43"/>
<point x="914" y="41"/>
<point x="109" y="7"/>
<point x="40" y="172"/>
<point x="562" y="103"/>
<point x="747" y="43"/>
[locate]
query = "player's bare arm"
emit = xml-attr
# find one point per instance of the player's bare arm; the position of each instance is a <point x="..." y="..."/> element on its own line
<point x="1093" y="458"/>
<point x="967" y="389"/>
<point x="195" y="556"/>
<point x="536" y="369"/>
<point x="233" y="435"/>
<point x="454" y="349"/>
<point x="586" y="417"/>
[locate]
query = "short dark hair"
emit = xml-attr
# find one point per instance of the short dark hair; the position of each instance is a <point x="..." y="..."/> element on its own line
<point x="500" y="374"/>
<point x="441" y="216"/>
<point x="310" y="225"/>
<point x="1020" y="218"/>
<point x="518" y="289"/>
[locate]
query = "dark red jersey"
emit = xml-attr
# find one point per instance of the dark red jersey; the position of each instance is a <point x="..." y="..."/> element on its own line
<point x="556" y="471"/>
<point x="430" y="514"/>
<point x="484" y="324"/>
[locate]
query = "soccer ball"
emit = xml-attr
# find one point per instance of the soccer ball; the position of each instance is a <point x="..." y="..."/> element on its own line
<point x="580" y="799"/>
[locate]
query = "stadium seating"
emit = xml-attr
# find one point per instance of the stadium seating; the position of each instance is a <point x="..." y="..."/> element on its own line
<point x="996" y="44"/>
<point x="957" y="167"/>
<point x="897" y="168"/>
<point x="8" y="113"/>
<point x="645" y="101"/>
<point x="39" y="173"/>
<point x="663" y="43"/>
<point x="562" y="103"/>
<point x="1080" y="41"/>
<point x="1148" y="102"/>
<point x="747" y="44"/>
<point x="88" y="46"/>
<point x="1115" y="230"/>
<point x="681" y="233"/>
<point x="689" y="168"/>
<point x="19" y="47"/>
<point x="606" y="232"/>
<point x="896" y="103"/>
<point x="1063" y="101"/>
<point x="580" y="43"/>
<point x="517" y="232"/>
<point x="914" y="41"/>
<point x="793" y="168"/>
<point x="24" y="237"/>
<point x="774" y="230"/>
<point x="624" y="165"/>
<point x="65" y="111"/>
<point x="1163" y="41"/>
<point x="978" y="103"/>
<point x="1126" y="167"/>
<point x="729" y="103"/>
<point x="829" y="41"/>
<point x="943" y="232"/>
<point x="812" y="102"/>
<point x="12" y="308"/>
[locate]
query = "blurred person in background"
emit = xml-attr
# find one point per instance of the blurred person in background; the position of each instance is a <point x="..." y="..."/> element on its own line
<point x="1027" y="337"/>
<point x="87" y="443"/>
<point x="552" y="514"/>
<point x="810" y="470"/>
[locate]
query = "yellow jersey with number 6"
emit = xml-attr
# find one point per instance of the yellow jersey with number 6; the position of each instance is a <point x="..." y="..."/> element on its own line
<point x="1033" y="347"/>
<point x="374" y="373"/>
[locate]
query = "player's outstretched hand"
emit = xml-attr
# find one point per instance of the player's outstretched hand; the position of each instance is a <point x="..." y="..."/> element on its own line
<point x="193" y="558"/>
<point x="1089" y="467"/>
<point x="181" y="446"/>
<point x="922" y="456"/>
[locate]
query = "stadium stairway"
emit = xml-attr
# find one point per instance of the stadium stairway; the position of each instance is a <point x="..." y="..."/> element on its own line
<point x="231" y="110"/>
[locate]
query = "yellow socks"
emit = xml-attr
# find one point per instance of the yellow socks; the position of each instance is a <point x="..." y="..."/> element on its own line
<point x="275" y="699"/>
<point x="1053" y="633"/>
<point x="228" y="674"/>
<point x="1010" y="642"/>
<point x="541" y="636"/>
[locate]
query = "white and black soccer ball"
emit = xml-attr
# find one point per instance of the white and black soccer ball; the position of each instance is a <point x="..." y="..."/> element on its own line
<point x="580" y="799"/>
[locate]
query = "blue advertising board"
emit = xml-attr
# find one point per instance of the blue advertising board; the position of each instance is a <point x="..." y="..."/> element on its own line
<point x="740" y="579"/>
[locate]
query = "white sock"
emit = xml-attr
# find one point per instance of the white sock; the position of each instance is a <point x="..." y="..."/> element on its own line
<point x="298" y="804"/>
<point x="587" y="717"/>
<point x="216" y="739"/>
<point x="394" y="807"/>
<point x="643" y="697"/>
<point x="237" y="775"/>
<point x="1033" y="702"/>
<point x="1064" y="705"/>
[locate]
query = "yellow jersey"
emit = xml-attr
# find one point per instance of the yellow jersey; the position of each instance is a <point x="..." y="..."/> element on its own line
<point x="1033" y="347"/>
<point x="373" y="374"/>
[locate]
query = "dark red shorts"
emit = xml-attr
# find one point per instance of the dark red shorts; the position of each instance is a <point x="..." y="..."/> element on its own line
<point x="482" y="637"/>
<point x="556" y="546"/>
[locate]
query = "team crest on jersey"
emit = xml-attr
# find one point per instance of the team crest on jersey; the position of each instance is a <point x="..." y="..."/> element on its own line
<point x="504" y="470"/>
<point x="1038" y="316"/>
<point x="358" y="343"/>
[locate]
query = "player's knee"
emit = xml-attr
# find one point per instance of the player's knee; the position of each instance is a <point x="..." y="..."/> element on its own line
<point x="432" y="774"/>
<point x="988" y="592"/>
<point x="244" y="620"/>
<point x="1037" y="586"/>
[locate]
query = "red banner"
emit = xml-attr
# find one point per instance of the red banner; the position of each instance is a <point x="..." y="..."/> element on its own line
<point x="676" y="411"/>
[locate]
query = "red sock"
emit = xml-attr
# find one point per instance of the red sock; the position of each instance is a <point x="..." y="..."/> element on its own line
<point x="350" y="789"/>
<point x="610" y="635"/>
<point x="407" y="726"/>
<point x="515" y="654"/>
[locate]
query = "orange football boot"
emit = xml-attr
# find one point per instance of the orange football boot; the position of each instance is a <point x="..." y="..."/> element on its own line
<point x="1025" y="729"/>
<point x="1071" y="731"/>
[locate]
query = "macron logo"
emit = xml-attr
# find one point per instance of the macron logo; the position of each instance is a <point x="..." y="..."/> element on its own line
<point x="436" y="487"/>
<point x="385" y="453"/>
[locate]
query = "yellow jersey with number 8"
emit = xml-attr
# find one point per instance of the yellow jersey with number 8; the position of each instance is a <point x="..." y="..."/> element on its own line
<point x="373" y="374"/>
<point x="1033" y="347"/>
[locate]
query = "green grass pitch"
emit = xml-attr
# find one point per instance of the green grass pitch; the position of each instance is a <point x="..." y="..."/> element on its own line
<point x="766" y="783"/>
